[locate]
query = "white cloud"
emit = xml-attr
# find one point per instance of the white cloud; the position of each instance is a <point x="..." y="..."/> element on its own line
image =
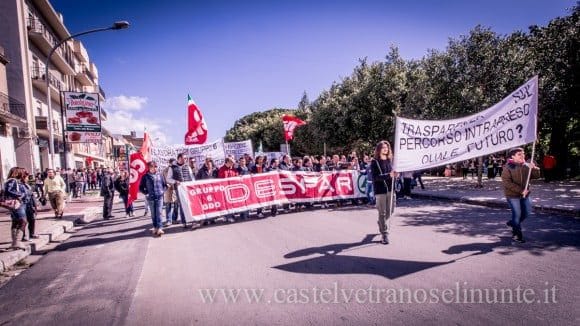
<point x="123" y="122"/>
<point x="125" y="103"/>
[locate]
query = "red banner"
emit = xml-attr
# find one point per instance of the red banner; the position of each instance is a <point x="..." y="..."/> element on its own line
<point x="217" y="197"/>
<point x="138" y="168"/>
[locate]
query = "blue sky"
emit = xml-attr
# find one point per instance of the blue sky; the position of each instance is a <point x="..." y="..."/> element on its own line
<point x="239" y="57"/>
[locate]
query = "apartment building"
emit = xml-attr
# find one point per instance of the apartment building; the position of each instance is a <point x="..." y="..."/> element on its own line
<point x="29" y="30"/>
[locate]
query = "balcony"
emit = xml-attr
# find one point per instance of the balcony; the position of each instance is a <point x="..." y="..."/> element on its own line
<point x="80" y="51"/>
<point x="103" y="114"/>
<point x="12" y="110"/>
<point x="37" y="75"/>
<point x="83" y="77"/>
<point x="43" y="38"/>
<point x="42" y="127"/>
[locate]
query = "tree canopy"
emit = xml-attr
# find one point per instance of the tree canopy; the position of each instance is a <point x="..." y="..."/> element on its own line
<point x="473" y="72"/>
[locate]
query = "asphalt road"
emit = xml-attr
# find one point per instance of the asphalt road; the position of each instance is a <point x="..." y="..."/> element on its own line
<point x="446" y="264"/>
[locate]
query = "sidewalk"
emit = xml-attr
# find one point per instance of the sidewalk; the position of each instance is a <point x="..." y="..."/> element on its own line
<point x="78" y="211"/>
<point x="561" y="197"/>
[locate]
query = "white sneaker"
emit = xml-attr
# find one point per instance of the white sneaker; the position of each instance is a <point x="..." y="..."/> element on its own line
<point x="160" y="232"/>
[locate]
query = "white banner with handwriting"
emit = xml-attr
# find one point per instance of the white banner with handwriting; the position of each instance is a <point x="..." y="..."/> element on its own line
<point x="512" y="122"/>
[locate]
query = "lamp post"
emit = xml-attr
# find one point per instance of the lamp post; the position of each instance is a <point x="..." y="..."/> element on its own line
<point x="116" y="25"/>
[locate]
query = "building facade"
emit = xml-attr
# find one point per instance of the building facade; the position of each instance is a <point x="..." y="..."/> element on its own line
<point x="30" y="29"/>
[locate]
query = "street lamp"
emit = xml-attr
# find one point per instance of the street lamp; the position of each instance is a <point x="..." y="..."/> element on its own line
<point x="116" y="25"/>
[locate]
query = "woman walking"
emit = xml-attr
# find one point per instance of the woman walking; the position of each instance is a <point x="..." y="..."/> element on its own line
<point x="383" y="175"/>
<point x="15" y="190"/>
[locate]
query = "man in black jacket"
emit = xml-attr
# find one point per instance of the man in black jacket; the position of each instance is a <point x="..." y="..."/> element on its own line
<point x="108" y="192"/>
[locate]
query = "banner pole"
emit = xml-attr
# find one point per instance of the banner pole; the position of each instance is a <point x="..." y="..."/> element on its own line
<point x="530" y="170"/>
<point x="392" y="193"/>
<point x="288" y="148"/>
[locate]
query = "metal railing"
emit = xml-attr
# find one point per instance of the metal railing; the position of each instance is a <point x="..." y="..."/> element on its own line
<point x="15" y="107"/>
<point x="36" y="26"/>
<point x="38" y="73"/>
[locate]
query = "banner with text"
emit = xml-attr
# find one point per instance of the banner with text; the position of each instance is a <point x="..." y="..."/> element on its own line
<point x="217" y="197"/>
<point x="215" y="150"/>
<point x="238" y="149"/>
<point x="422" y="144"/>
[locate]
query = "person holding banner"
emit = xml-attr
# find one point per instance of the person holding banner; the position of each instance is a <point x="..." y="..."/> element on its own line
<point x="170" y="198"/>
<point x="274" y="166"/>
<point x="178" y="173"/>
<point x="383" y="174"/>
<point x="515" y="177"/>
<point x="259" y="167"/>
<point x="227" y="171"/>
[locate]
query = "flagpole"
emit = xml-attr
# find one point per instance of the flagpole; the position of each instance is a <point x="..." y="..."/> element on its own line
<point x="288" y="149"/>
<point x="530" y="170"/>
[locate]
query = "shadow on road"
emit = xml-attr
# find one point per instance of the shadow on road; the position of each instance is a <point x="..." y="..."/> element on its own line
<point x="332" y="249"/>
<point x="543" y="232"/>
<point x="333" y="263"/>
<point x="344" y="264"/>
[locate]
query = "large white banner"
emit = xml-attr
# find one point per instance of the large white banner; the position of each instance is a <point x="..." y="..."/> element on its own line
<point x="512" y="122"/>
<point x="215" y="150"/>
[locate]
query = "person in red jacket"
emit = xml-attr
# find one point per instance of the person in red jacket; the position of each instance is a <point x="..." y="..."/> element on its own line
<point x="227" y="171"/>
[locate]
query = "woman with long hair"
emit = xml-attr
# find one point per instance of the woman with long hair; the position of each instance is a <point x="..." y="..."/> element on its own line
<point x="15" y="188"/>
<point x="383" y="175"/>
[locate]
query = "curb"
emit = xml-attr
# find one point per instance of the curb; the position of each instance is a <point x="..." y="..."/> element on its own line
<point x="10" y="258"/>
<point x="499" y="204"/>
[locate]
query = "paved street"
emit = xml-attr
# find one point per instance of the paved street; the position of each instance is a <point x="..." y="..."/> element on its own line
<point x="314" y="267"/>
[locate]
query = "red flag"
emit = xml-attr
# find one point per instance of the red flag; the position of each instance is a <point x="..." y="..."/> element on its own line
<point x="138" y="168"/>
<point x="196" y="127"/>
<point x="290" y="123"/>
<point x="146" y="147"/>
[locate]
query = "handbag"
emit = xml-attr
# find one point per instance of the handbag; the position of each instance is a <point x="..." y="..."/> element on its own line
<point x="9" y="203"/>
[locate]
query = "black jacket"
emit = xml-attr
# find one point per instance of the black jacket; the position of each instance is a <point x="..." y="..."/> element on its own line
<point x="122" y="186"/>
<point x="381" y="178"/>
<point x="107" y="185"/>
<point x="204" y="173"/>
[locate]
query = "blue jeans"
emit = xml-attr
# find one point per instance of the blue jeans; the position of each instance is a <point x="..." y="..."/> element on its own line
<point x="171" y="212"/>
<point x="155" y="208"/>
<point x="370" y="193"/>
<point x="129" y="209"/>
<point x="521" y="209"/>
<point x="19" y="214"/>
